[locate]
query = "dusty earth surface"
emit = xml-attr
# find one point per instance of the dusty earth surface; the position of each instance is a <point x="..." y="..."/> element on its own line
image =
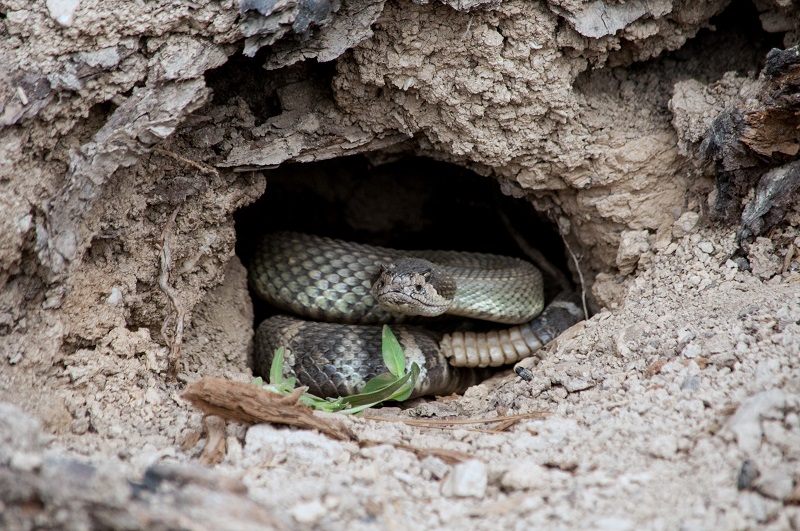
<point x="133" y="137"/>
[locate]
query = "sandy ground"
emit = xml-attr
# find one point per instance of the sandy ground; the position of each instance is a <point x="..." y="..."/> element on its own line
<point x="679" y="410"/>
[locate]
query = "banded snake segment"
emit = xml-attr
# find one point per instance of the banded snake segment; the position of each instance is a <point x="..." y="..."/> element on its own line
<point x="337" y="281"/>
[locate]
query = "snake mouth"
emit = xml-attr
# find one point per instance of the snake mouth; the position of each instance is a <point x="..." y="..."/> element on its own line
<point x="407" y="304"/>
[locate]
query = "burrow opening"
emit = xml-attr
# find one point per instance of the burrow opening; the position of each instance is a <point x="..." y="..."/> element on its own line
<point x="409" y="203"/>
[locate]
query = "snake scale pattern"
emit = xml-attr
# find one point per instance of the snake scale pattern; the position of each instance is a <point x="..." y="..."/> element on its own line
<point x="337" y="282"/>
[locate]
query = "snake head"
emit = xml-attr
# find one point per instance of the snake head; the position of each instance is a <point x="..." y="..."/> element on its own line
<point x="413" y="286"/>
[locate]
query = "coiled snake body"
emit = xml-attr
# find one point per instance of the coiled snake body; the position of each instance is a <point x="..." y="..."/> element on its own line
<point x="337" y="281"/>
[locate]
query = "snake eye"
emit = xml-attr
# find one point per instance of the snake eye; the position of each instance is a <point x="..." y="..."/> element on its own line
<point x="418" y="287"/>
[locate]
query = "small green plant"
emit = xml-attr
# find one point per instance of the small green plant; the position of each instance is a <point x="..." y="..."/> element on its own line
<point x="397" y="384"/>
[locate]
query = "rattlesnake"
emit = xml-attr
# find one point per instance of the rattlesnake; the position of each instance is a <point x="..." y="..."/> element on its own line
<point x="338" y="282"/>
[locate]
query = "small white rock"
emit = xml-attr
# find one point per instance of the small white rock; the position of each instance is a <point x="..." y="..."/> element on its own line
<point x="633" y="243"/>
<point x="467" y="479"/>
<point x="24" y="223"/>
<point x="691" y="351"/>
<point x="685" y="224"/>
<point x="25" y="462"/>
<point x="526" y="476"/>
<point x="757" y="507"/>
<point x="308" y="512"/>
<point x="776" y="484"/>
<point x="151" y="396"/>
<point x="745" y="424"/>
<point x="706" y="247"/>
<point x="115" y="297"/>
<point x="684" y="336"/>
<point x="435" y="466"/>
<point x="664" y="446"/>
<point x="62" y="11"/>
<point x="263" y="442"/>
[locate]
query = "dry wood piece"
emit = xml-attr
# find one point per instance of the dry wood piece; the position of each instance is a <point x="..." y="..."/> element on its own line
<point x="214" y="450"/>
<point x="249" y="404"/>
<point x="755" y="145"/>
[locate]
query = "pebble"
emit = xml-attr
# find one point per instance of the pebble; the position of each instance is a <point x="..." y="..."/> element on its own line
<point x="664" y="446"/>
<point x="264" y="441"/>
<point x="435" y="466"/>
<point x="526" y="476"/>
<point x="25" y="461"/>
<point x="691" y="383"/>
<point x="151" y="396"/>
<point x="62" y="11"/>
<point x="706" y="247"/>
<point x="745" y="424"/>
<point x="404" y="476"/>
<point x="309" y="512"/>
<point x="748" y="473"/>
<point x="775" y="484"/>
<point x="573" y="385"/>
<point x="757" y="507"/>
<point x="467" y="479"/>
<point x="684" y="336"/>
<point x="690" y="351"/>
<point x="633" y="243"/>
<point x="115" y="297"/>
<point x="685" y="224"/>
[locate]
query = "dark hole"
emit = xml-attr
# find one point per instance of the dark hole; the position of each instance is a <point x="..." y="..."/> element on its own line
<point x="413" y="203"/>
<point x="244" y="77"/>
<point x="735" y="41"/>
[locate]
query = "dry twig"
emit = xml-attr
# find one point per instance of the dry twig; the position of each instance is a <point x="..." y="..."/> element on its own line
<point x="199" y="166"/>
<point x="563" y="230"/>
<point x="448" y="423"/>
<point x="174" y="340"/>
<point x="448" y="456"/>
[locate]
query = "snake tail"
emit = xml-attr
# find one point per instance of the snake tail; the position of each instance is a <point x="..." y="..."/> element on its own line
<point x="510" y="345"/>
<point x="339" y="359"/>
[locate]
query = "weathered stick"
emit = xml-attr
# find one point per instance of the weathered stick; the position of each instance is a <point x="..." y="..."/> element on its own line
<point x="249" y="404"/>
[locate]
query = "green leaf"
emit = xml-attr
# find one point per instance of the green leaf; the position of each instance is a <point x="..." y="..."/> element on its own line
<point x="324" y="404"/>
<point x="393" y="355"/>
<point x="376" y="397"/>
<point x="380" y="382"/>
<point x="403" y="393"/>
<point x="276" y="369"/>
